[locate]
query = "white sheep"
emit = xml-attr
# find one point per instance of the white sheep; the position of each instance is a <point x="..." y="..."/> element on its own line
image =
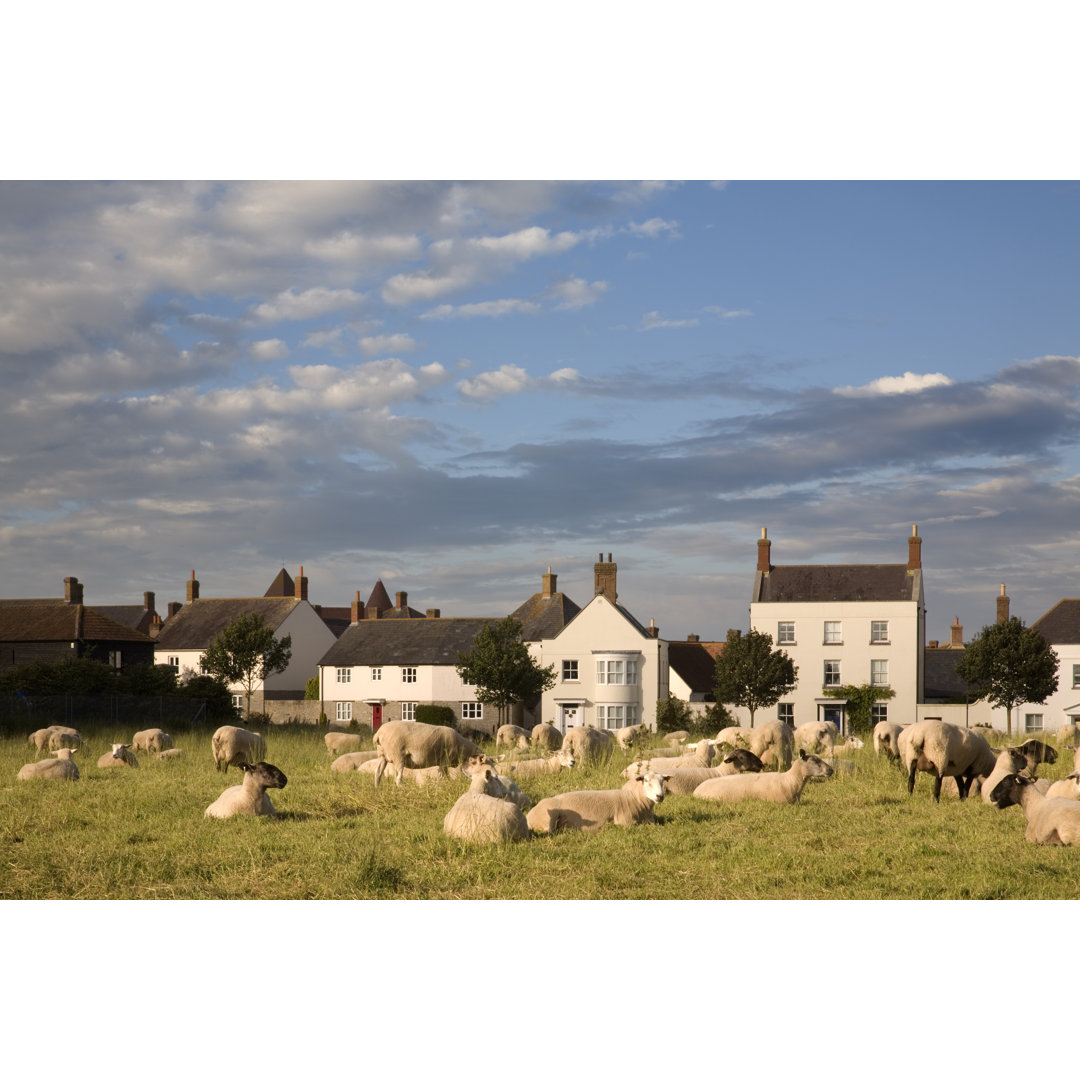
<point x="151" y="740"/>
<point x="626" y="737"/>
<point x="512" y="736"/>
<point x="172" y="754"/>
<point x="235" y="745"/>
<point x="40" y="739"/>
<point x="483" y="814"/>
<point x="1069" y="788"/>
<point x="60" y="767"/>
<point x="546" y="737"/>
<point x="1010" y="760"/>
<point x="777" y="787"/>
<point x="514" y="794"/>
<point x="1049" y="821"/>
<point x="687" y="781"/>
<point x="944" y="749"/>
<point x="353" y="761"/>
<point x="590" y="745"/>
<point x="343" y="742"/>
<point x="815" y="736"/>
<point x="409" y="744"/>
<point x="845" y="746"/>
<point x="249" y="797"/>
<point x="774" y="743"/>
<point x="701" y="758"/>
<point x="676" y="738"/>
<point x="885" y="735"/>
<point x="734" y="737"/>
<point x="120" y="756"/>
<point x="632" y="804"/>
<point x="1069" y="734"/>
<point x="70" y="740"/>
<point x="561" y="759"/>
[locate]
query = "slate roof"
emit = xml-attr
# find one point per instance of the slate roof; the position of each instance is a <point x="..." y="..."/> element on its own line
<point x="940" y="681"/>
<point x="882" y="582"/>
<point x="197" y="623"/>
<point x="282" y="585"/>
<point x="385" y="642"/>
<point x="544" y="616"/>
<point x="133" y="615"/>
<point x="1061" y="624"/>
<point x="60" y="621"/>
<point x="695" y="663"/>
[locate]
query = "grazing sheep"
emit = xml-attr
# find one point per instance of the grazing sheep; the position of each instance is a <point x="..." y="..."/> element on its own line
<point x="632" y="804"/>
<point x="1009" y="761"/>
<point x="778" y="787"/>
<point x="512" y="736"/>
<point x="118" y="757"/>
<point x="626" y="737"/>
<point x="353" y="761"/>
<point x="561" y="759"/>
<point x="249" y="797"/>
<point x="1049" y="821"/>
<point x="815" y="737"/>
<point x="774" y="743"/>
<point x="1069" y="734"/>
<point x="40" y="739"/>
<point x="944" y="749"/>
<point x="844" y="746"/>
<point x="235" y="745"/>
<point x="409" y="744"/>
<point x="483" y="814"/>
<point x="735" y="737"/>
<point x="60" y="767"/>
<point x="1069" y="788"/>
<point x="676" y="738"/>
<point x="590" y="745"/>
<point x="885" y="736"/>
<point x="546" y="737"/>
<point x="152" y="740"/>
<point x="343" y="742"/>
<point x="1036" y="753"/>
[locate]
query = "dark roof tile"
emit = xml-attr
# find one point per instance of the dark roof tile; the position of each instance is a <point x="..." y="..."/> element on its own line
<point x="197" y="623"/>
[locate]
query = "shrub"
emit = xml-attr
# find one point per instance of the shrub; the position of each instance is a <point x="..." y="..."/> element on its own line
<point x="311" y="689"/>
<point x="435" y="714"/>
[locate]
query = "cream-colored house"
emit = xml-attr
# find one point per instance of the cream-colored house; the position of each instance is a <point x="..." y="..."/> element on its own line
<point x="1060" y="626"/>
<point x="843" y="625"/>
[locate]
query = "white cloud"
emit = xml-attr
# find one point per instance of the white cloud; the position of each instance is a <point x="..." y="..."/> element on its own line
<point x="425" y="285"/>
<point x="359" y="247"/>
<point x="291" y="305"/>
<point x="512" y="379"/>
<point x="485" y="308"/>
<point x="323" y="339"/>
<point x="718" y="185"/>
<point x="526" y="243"/>
<point x="387" y="343"/>
<point x="573" y="293"/>
<point x="908" y="383"/>
<point x="729" y="313"/>
<point x="654" y="227"/>
<point x="653" y="320"/>
<point x="272" y="349"/>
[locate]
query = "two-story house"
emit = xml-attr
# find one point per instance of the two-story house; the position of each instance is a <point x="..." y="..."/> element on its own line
<point x="844" y="625"/>
<point x="1060" y="626"/>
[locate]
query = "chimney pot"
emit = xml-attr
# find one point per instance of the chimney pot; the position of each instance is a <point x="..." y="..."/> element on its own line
<point x="604" y="578"/>
<point x="914" y="561"/>
<point x="1002" y="606"/>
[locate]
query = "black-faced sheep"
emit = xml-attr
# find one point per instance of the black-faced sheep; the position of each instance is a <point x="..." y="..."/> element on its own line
<point x="687" y="781"/>
<point x="1009" y="761"/>
<point x="944" y="749"/>
<point x="236" y="745"/>
<point x="774" y="743"/>
<point x="546" y="737"/>
<point x="151" y="741"/>
<point x="484" y="813"/>
<point x="1037" y="753"/>
<point x="632" y="804"/>
<point x="590" y="745"/>
<point x="120" y="756"/>
<point x="777" y="787"/>
<point x="249" y="797"/>
<point x="1049" y="821"/>
<point x="60" y="767"/>
<point x="408" y="744"/>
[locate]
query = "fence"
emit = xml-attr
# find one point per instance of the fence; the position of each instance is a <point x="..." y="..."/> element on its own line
<point x="20" y="714"/>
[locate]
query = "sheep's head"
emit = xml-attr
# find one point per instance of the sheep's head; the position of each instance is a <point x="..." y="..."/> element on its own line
<point x="118" y="749"/>
<point x="1008" y="791"/>
<point x="488" y="782"/>
<point x="265" y="774"/>
<point x="566" y="757"/>
<point x="652" y="786"/>
<point x="815" y="766"/>
<point x="65" y="752"/>
<point x="743" y="761"/>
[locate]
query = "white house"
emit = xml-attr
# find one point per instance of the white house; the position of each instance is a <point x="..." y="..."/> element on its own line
<point x="1060" y="626"/>
<point x="844" y="625"/>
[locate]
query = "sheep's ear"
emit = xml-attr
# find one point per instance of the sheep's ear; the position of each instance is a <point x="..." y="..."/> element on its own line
<point x="802" y="753"/>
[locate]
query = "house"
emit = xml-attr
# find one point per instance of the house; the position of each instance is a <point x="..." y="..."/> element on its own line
<point x="192" y="627"/>
<point x="844" y="625"/>
<point x="64" y="627"/>
<point x="1060" y="626"/>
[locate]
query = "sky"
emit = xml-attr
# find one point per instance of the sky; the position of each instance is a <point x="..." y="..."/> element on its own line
<point x="451" y="386"/>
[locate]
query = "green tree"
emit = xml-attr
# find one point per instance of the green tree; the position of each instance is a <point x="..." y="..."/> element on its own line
<point x="501" y="667"/>
<point x="751" y="673"/>
<point x="1008" y="663"/>
<point x="860" y="702"/>
<point x="246" y="652"/>
<point x="311" y="689"/>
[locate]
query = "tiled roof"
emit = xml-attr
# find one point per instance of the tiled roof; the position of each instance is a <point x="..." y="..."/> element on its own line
<point x="197" y="623"/>
<point x="385" y="642"/>
<point x="694" y="663"/>
<point x="379" y="597"/>
<point x="62" y="622"/>
<point x="282" y="585"/>
<point x="336" y="618"/>
<point x="133" y="615"/>
<point x="940" y="681"/>
<point x="544" y="616"/>
<point x="872" y="581"/>
<point x="1061" y="624"/>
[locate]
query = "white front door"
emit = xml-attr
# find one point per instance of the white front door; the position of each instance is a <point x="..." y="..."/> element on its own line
<point x="568" y="717"/>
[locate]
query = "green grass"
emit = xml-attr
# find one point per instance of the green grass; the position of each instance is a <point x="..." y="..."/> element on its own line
<point x="141" y="834"/>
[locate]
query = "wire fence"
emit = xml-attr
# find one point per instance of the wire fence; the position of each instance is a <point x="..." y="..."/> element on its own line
<point x="19" y="714"/>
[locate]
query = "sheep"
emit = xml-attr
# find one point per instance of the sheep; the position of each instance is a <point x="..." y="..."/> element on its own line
<point x="885" y="736"/>
<point x="686" y="781"/>
<point x="411" y="744"/>
<point x="172" y="754"/>
<point x="1009" y="761"/>
<point x="700" y="759"/>
<point x="512" y="736"/>
<point x="845" y="746"/>
<point x="1049" y="821"/>
<point x="735" y="737"/>
<point x="944" y="749"/>
<point x="1036" y="753"/>
<point x="71" y="740"/>
<point x="632" y="804"/>
<point x="626" y="737"/>
<point x="676" y="738"/>
<point x="430" y="775"/>
<point x="249" y="797"/>
<point x="561" y="759"/>
<point x="513" y="793"/>
<point x="1069" y="734"/>
<point x="353" y="761"/>
<point x="774" y="743"/>
<point x="40" y="739"/>
<point x="778" y="787"/>
<point x="483" y="814"/>
<point x="342" y="742"/>
<point x="119" y="756"/>
<point x="590" y="745"/>
<point x="235" y="745"/>
<point x="152" y="740"/>
<point x="546" y="737"/>
<point x="1069" y="788"/>
<point x="60" y="767"/>
<point x="815" y="736"/>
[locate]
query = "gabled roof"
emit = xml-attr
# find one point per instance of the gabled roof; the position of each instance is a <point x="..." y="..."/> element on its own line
<point x="881" y="582"/>
<point x="695" y="663"/>
<point x="337" y="619"/>
<point x="940" y="681"/>
<point x="384" y="642"/>
<point x="197" y="623"/>
<point x="59" y="621"/>
<point x="133" y="615"/>
<point x="544" y="616"/>
<point x="1061" y="624"/>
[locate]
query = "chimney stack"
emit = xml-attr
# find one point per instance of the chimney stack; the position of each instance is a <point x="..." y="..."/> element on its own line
<point x="548" y="580"/>
<point x="173" y="608"/>
<point x="434" y="613"/>
<point x="654" y="630"/>
<point x="356" y="611"/>
<point x="402" y="600"/>
<point x="73" y="591"/>
<point x="764" y="552"/>
<point x="1002" y="606"/>
<point x="300" y="585"/>
<point x="914" y="554"/>
<point x="693" y="639"/>
<point x="192" y="588"/>
<point x="957" y="631"/>
<point x="148" y="601"/>
<point x="604" y="578"/>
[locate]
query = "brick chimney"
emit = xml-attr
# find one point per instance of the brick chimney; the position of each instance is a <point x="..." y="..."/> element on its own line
<point x="654" y="630"/>
<point x="548" y="580"/>
<point x="956" y="641"/>
<point x="173" y="608"/>
<point x="148" y="599"/>
<point x="402" y="600"/>
<point x="604" y="578"/>
<point x="693" y="639"/>
<point x="300" y="585"/>
<point x="73" y="591"/>
<point x="1002" y="606"/>
<point x="764" y="552"/>
<point x="356" y="611"/>
<point x="192" y="588"/>
<point x="914" y="552"/>
<point x="434" y="613"/>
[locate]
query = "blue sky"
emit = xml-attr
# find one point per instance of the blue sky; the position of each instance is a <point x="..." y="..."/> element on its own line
<point x="452" y="386"/>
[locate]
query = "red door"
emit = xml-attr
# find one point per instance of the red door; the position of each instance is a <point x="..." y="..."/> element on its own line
<point x="376" y="718"/>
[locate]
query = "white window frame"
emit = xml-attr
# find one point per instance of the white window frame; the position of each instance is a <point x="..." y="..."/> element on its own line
<point x="174" y="661"/>
<point x="631" y="673"/>
<point x="613" y="717"/>
<point x="238" y="701"/>
<point x="408" y="710"/>
<point x="833" y="633"/>
<point x="831" y="674"/>
<point x="376" y="674"/>
<point x="343" y="712"/>
<point x="1076" y="676"/>
<point x="344" y="675"/>
<point x="879" y="631"/>
<point x="1033" y="723"/>
<point x="879" y="711"/>
<point x="785" y="711"/>
<point x="879" y="672"/>
<point x="610" y="672"/>
<point x="570" y="671"/>
<point x="785" y="632"/>
<point x="472" y="710"/>
<point x="408" y="674"/>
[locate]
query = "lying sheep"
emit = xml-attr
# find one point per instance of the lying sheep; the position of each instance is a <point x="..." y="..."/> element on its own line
<point x="815" y="737"/>
<point x="590" y="745"/>
<point x="408" y="744"/>
<point x="431" y="775"/>
<point x="1069" y="788"/>
<point x="60" y="767"/>
<point x="350" y="762"/>
<point x="172" y="754"/>
<point x="626" y="737"/>
<point x="512" y="736"/>
<point x="483" y="814"/>
<point x="885" y="736"/>
<point x="343" y="742"/>
<point x="249" y="797"/>
<point x="1009" y="761"/>
<point x="513" y="794"/>
<point x="119" y="756"/>
<point x="546" y="737"/>
<point x="152" y="740"/>
<point x="561" y="759"/>
<point x="632" y="804"/>
<point x="676" y="738"/>
<point x="687" y="781"/>
<point x="944" y="749"/>
<point x="778" y="787"/>
<point x="235" y="745"/>
<point x="1049" y="821"/>
<point x="700" y="759"/>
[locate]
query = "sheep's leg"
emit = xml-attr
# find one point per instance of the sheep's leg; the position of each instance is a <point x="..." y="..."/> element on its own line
<point x="937" y="786"/>
<point x="380" y="769"/>
<point x="963" y="785"/>
<point x="911" y="777"/>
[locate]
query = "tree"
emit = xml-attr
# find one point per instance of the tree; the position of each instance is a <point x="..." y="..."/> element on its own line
<point x="246" y="652"/>
<point x="860" y="702"/>
<point x="501" y="667"/>
<point x="1008" y="663"/>
<point x="751" y="673"/>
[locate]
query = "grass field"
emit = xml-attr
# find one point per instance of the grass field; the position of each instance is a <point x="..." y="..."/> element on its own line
<point x="140" y="834"/>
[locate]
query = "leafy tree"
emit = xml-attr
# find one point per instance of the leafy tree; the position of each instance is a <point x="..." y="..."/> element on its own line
<point x="860" y="702"/>
<point x="311" y="689"/>
<point x="246" y="652"/>
<point x="501" y="667"/>
<point x="1008" y="663"/>
<point x="751" y="673"/>
<point x="673" y="715"/>
<point x="442" y="715"/>
<point x="214" y="691"/>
